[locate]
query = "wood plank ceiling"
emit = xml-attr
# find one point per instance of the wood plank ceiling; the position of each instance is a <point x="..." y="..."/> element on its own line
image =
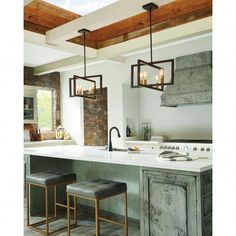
<point x="40" y="16"/>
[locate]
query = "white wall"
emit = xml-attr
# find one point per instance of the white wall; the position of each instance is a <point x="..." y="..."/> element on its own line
<point x="187" y="122"/>
<point x="114" y="75"/>
<point x="71" y="111"/>
<point x="194" y="121"/>
<point x="131" y="108"/>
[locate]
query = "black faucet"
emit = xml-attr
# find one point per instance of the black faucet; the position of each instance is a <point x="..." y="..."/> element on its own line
<point x="110" y="143"/>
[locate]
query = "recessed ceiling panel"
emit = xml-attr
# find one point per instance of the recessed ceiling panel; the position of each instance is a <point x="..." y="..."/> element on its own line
<point x="81" y="7"/>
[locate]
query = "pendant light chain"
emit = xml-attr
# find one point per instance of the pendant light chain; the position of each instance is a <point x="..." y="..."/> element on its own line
<point x="92" y="83"/>
<point x="141" y="76"/>
<point x="84" y="57"/>
<point x="150" y="26"/>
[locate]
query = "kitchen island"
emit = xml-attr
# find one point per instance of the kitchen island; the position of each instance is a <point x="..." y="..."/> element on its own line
<point x="169" y="198"/>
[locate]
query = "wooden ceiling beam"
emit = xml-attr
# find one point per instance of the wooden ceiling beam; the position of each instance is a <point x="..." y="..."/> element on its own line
<point x="47" y="15"/>
<point x="172" y="12"/>
<point x="52" y="9"/>
<point x="156" y="27"/>
<point x="164" y="37"/>
<point x="42" y="17"/>
<point x="42" y="30"/>
<point x="29" y="26"/>
<point x="110" y="14"/>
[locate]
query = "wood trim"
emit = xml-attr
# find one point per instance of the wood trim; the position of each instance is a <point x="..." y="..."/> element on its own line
<point x="169" y="15"/>
<point x="29" y="26"/>
<point x="40" y="16"/>
<point x="78" y="40"/>
<point x="35" y="28"/>
<point x="36" y="16"/>
<point x="47" y="15"/>
<point x="53" y="9"/>
<point x="149" y="178"/>
<point x="156" y="28"/>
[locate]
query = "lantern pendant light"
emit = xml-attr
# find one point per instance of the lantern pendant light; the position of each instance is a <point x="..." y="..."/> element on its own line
<point x="152" y="74"/>
<point x="87" y="86"/>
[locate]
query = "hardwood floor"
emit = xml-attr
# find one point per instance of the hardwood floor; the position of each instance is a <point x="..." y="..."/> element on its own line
<point x="85" y="227"/>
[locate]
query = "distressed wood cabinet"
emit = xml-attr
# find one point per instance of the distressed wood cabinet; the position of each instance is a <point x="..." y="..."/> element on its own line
<point x="175" y="203"/>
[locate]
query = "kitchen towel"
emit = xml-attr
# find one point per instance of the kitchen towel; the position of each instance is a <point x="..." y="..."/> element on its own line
<point x="175" y="156"/>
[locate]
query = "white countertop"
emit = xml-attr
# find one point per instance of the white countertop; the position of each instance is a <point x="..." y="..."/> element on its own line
<point x="98" y="154"/>
<point x="141" y="142"/>
<point x="46" y="143"/>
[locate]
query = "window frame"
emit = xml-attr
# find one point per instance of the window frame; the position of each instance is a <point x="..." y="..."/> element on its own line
<point x="53" y="99"/>
<point x="52" y="113"/>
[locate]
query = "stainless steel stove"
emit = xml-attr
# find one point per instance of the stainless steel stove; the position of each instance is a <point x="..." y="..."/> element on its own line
<point x="200" y="148"/>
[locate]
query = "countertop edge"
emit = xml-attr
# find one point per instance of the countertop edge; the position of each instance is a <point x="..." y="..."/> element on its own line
<point x="161" y="165"/>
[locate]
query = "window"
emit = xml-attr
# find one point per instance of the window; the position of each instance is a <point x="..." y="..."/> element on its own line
<point x="44" y="103"/>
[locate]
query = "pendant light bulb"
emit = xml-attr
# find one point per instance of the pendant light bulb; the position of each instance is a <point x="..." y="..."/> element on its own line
<point x="161" y="76"/>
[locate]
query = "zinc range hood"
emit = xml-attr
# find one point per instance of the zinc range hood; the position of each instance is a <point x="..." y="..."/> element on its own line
<point x="193" y="81"/>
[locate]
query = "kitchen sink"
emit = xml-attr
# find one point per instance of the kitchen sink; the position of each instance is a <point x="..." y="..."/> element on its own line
<point x="114" y="149"/>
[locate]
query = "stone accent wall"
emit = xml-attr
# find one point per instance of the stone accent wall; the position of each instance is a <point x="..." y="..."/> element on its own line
<point x="51" y="81"/>
<point x="95" y="120"/>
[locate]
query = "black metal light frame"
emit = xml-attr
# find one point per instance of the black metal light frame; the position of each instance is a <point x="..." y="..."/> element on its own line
<point x="88" y="78"/>
<point x="154" y="64"/>
<point x="155" y="86"/>
<point x="86" y="94"/>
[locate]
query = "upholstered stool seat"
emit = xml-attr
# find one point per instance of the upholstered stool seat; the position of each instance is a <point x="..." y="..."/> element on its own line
<point x="50" y="178"/>
<point x="96" y="190"/>
<point x="46" y="180"/>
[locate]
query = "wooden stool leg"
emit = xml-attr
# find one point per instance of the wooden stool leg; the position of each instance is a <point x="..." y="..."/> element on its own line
<point x="75" y="210"/>
<point x="27" y="201"/>
<point x="126" y="215"/>
<point x="68" y="213"/>
<point x="46" y="210"/>
<point x="97" y="217"/>
<point x="55" y="201"/>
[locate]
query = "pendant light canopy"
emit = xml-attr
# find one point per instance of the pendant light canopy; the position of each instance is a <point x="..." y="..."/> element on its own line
<point x="87" y="86"/>
<point x="154" y="74"/>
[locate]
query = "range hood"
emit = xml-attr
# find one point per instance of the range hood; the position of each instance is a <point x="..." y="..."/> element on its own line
<point x="193" y="81"/>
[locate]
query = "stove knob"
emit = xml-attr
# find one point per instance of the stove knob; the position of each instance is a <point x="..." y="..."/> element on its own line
<point x="208" y="149"/>
<point x="164" y="147"/>
<point x="194" y="149"/>
<point x="202" y="149"/>
<point x="173" y="148"/>
<point x="169" y="147"/>
<point x="177" y="148"/>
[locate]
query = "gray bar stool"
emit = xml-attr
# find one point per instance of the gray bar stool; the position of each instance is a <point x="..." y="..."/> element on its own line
<point x="46" y="180"/>
<point x="96" y="190"/>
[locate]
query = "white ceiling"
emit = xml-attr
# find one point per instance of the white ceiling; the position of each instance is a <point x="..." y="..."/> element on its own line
<point x="36" y="55"/>
<point x="175" y="49"/>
